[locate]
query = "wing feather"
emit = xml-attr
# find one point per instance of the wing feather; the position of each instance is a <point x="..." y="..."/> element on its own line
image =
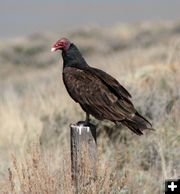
<point x="94" y="96"/>
<point x="111" y="82"/>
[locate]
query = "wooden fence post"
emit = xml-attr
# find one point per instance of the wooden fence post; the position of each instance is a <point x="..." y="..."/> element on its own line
<point x="83" y="155"/>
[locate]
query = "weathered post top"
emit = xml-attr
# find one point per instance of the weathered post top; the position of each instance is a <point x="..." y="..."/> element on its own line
<point x="83" y="154"/>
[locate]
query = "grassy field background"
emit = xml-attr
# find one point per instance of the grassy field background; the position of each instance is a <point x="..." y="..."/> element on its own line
<point x="35" y="110"/>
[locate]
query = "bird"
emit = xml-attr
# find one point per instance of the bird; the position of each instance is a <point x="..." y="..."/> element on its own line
<point x="97" y="92"/>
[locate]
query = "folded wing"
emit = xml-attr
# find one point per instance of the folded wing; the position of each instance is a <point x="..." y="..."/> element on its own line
<point x="98" y="93"/>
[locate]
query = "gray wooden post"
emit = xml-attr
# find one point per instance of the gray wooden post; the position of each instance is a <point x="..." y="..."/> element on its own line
<point x="83" y="155"/>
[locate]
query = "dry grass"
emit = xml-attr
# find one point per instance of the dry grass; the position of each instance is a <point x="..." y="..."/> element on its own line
<point x="36" y="173"/>
<point x="143" y="57"/>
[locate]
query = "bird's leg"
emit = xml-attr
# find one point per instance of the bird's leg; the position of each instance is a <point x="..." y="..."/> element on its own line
<point x="87" y="121"/>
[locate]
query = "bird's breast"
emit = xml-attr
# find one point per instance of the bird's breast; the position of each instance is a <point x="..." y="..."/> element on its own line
<point x="73" y="80"/>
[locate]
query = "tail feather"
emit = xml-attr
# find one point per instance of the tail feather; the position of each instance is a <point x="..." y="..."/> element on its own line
<point x="137" y="114"/>
<point x="137" y="124"/>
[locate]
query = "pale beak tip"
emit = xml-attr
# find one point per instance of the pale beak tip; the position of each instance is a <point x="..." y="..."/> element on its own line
<point x="53" y="49"/>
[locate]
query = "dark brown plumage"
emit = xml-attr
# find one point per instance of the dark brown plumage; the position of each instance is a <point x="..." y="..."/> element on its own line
<point x="98" y="93"/>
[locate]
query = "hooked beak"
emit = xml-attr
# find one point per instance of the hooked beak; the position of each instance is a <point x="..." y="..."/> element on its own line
<point x="53" y="49"/>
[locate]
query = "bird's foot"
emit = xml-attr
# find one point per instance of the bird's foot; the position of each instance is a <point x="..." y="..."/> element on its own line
<point x="84" y="123"/>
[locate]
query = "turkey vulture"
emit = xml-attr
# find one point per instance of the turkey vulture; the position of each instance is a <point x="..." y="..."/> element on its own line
<point x="98" y="93"/>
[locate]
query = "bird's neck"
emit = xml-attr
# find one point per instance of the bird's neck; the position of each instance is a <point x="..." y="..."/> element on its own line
<point x="73" y="58"/>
